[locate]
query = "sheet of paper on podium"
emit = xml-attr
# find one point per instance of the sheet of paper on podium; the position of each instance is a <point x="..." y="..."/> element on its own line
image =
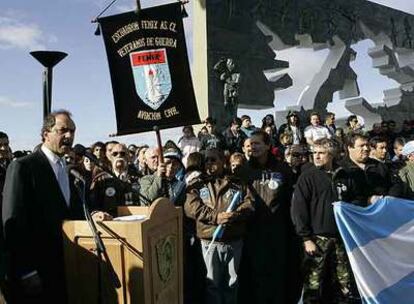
<point x="131" y="218"/>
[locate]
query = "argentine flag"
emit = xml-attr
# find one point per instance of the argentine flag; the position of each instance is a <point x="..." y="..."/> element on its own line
<point x="379" y="241"/>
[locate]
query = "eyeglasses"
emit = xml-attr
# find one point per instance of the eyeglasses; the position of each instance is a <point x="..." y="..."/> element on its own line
<point x="116" y="153"/>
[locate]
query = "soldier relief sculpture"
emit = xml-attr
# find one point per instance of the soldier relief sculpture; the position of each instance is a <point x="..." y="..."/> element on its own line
<point x="226" y="71"/>
<point x="245" y="38"/>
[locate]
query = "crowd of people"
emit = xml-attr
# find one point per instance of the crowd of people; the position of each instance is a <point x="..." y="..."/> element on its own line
<point x="270" y="187"/>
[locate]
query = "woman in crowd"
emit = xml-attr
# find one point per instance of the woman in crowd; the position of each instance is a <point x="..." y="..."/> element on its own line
<point x="268" y="123"/>
<point x="293" y="127"/>
<point x="352" y="125"/>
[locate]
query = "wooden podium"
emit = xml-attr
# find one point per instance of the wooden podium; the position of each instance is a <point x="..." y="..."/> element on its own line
<point x="145" y="255"/>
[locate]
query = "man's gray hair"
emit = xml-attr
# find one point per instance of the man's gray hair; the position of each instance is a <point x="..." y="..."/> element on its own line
<point x="329" y="144"/>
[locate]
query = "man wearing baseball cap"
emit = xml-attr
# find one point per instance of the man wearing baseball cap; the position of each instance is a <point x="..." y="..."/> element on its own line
<point x="164" y="179"/>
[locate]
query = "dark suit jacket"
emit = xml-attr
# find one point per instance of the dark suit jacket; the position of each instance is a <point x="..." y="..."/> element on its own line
<point x="33" y="211"/>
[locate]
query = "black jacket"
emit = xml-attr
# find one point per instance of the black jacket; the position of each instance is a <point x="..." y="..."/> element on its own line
<point x="311" y="209"/>
<point x="356" y="185"/>
<point x="33" y="212"/>
<point x="271" y="252"/>
<point x="234" y="143"/>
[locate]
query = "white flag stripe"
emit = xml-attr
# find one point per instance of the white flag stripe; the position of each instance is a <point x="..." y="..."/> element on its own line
<point x="368" y="261"/>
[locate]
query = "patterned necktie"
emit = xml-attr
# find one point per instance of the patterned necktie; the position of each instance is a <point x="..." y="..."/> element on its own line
<point x="63" y="180"/>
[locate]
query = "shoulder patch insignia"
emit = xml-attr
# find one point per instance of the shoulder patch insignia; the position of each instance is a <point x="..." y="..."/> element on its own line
<point x="205" y="194"/>
<point x="110" y="191"/>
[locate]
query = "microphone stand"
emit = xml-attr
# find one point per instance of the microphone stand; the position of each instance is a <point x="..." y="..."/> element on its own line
<point x="100" y="247"/>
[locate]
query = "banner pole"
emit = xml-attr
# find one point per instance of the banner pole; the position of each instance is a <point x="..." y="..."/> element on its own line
<point x="159" y="144"/>
<point x="138" y="6"/>
<point x="164" y="181"/>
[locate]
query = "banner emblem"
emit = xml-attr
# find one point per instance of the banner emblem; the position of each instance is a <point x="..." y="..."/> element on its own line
<point x="151" y="76"/>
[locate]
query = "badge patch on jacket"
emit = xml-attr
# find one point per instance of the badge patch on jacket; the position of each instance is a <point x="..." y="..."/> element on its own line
<point x="205" y="194"/>
<point x="110" y="191"/>
<point x="273" y="180"/>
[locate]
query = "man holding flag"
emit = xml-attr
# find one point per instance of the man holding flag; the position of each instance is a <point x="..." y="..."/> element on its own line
<point x="378" y="238"/>
<point x="379" y="241"/>
<point x="364" y="180"/>
<point x="208" y="203"/>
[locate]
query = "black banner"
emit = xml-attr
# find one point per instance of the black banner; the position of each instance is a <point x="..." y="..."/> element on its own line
<point x="149" y="68"/>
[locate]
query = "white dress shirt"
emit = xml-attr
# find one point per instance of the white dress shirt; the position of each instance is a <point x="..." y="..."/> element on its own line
<point x="54" y="163"/>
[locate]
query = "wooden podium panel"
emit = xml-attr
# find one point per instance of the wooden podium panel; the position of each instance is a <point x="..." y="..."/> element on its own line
<point x="146" y="256"/>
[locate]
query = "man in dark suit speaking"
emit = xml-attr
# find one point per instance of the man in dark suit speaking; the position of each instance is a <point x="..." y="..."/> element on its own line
<point x="38" y="195"/>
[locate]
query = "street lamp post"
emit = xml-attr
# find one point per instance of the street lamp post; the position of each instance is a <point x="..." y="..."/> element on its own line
<point x="48" y="59"/>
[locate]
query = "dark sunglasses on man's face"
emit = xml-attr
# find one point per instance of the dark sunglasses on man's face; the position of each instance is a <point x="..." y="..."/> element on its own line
<point x="121" y="154"/>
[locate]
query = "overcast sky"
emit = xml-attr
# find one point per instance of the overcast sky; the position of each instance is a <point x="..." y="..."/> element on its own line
<point x="82" y="82"/>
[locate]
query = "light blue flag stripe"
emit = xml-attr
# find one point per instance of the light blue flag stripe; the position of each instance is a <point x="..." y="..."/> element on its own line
<point x="359" y="231"/>
<point x="380" y="244"/>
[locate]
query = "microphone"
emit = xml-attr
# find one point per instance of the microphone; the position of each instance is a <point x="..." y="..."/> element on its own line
<point x="76" y="174"/>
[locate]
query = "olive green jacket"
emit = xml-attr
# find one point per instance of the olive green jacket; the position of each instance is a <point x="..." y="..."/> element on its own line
<point x="407" y="176"/>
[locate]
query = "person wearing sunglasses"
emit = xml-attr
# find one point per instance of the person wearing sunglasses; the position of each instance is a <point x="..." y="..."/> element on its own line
<point x="297" y="157"/>
<point x="108" y="192"/>
<point x="352" y="125"/>
<point x="119" y="161"/>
